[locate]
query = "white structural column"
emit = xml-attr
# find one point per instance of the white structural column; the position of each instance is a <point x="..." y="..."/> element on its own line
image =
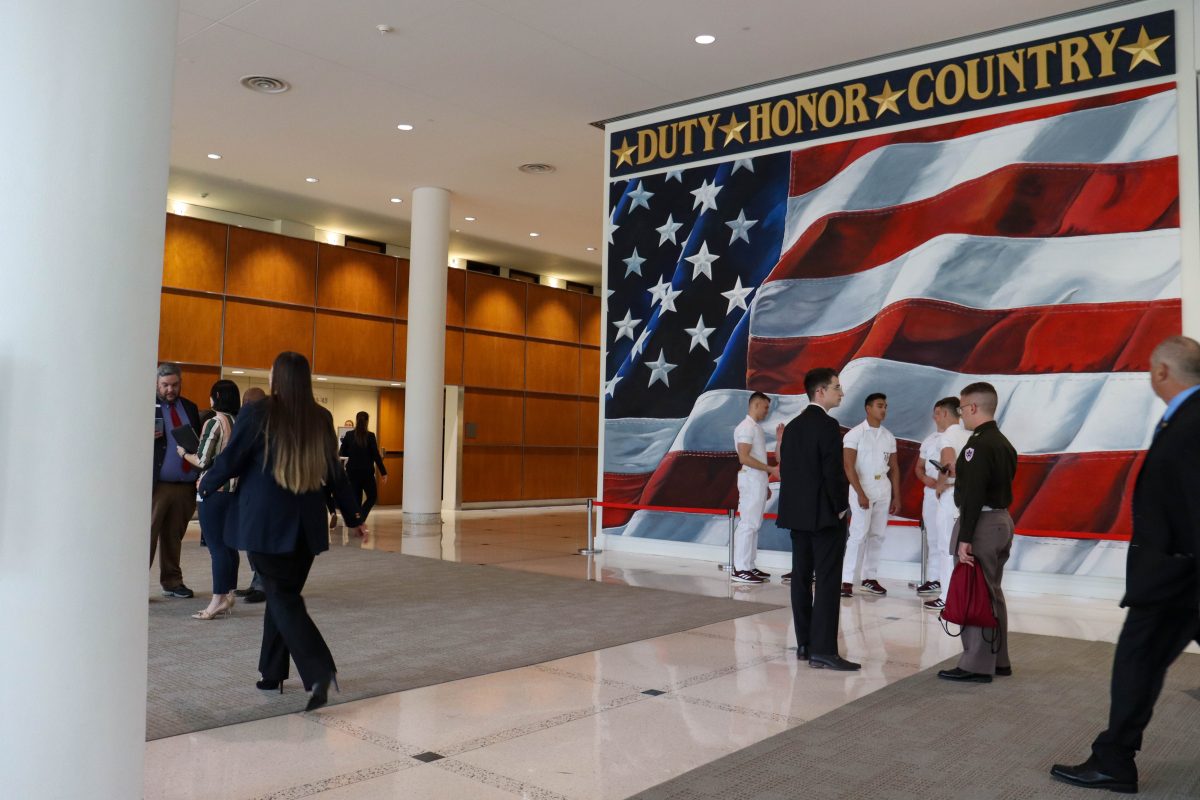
<point x="86" y="93"/>
<point x="425" y="371"/>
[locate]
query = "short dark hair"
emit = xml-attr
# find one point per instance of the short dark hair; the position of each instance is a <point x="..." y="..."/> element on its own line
<point x="950" y="404"/>
<point x="986" y="390"/>
<point x="872" y="397"/>
<point x="817" y="379"/>
<point x="226" y="397"/>
<point x="758" y="396"/>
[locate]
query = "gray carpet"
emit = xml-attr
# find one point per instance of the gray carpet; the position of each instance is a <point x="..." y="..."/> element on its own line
<point x="396" y="622"/>
<point x="925" y="738"/>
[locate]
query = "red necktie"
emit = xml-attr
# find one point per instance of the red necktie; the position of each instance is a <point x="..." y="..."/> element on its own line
<point x="175" y="423"/>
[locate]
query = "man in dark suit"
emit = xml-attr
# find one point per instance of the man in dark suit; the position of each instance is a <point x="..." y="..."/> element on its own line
<point x="813" y="504"/>
<point x="173" y="501"/>
<point x="1162" y="574"/>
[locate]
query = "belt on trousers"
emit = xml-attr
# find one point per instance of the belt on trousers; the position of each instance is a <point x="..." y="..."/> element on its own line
<point x="989" y="508"/>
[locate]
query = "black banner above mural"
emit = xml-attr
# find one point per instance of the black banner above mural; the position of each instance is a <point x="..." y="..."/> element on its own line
<point x="1124" y="52"/>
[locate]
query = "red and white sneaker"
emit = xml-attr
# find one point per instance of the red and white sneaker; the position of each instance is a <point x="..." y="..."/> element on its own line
<point x="847" y="590"/>
<point x="745" y="576"/>
<point x="929" y="587"/>
<point x="760" y="573"/>
<point x="873" y="587"/>
<point x="935" y="604"/>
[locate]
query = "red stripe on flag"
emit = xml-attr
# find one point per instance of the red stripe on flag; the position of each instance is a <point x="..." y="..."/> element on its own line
<point x="818" y="165"/>
<point x="1090" y="337"/>
<point x="622" y="488"/>
<point x="1020" y="200"/>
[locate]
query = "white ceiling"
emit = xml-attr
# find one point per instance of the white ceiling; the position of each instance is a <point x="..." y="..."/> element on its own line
<point x="488" y="85"/>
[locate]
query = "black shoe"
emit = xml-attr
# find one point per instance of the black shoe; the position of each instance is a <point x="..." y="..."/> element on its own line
<point x="1004" y="672"/>
<point x="1089" y="775"/>
<point x="269" y="686"/>
<point x="802" y="652"/>
<point x="178" y="591"/>
<point x="242" y="592"/>
<point x="834" y="662"/>
<point x="962" y="676"/>
<point x="254" y="596"/>
<point x="320" y="692"/>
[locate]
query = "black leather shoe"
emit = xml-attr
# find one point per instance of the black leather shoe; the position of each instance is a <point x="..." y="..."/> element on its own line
<point x="242" y="592"/>
<point x="1088" y="775"/>
<point x="834" y="662"/>
<point x="255" y="596"/>
<point x="802" y="652"/>
<point x="962" y="676"/>
<point x="320" y="692"/>
<point x="269" y="686"/>
<point x="1004" y="672"/>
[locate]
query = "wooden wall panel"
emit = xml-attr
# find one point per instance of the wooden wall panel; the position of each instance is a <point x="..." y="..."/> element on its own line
<point x="390" y="430"/>
<point x="402" y="268"/>
<point x="551" y="421"/>
<point x="589" y="422"/>
<point x="550" y="473"/>
<point x="493" y="362"/>
<point x="400" y="350"/>
<point x="189" y="329"/>
<point x="454" y="358"/>
<point x="255" y="334"/>
<point x="589" y="372"/>
<point x="552" y="368"/>
<point x="197" y="383"/>
<point x="456" y="297"/>
<point x="194" y="254"/>
<point x="491" y="473"/>
<point x="352" y="346"/>
<point x="351" y="280"/>
<point x="591" y="323"/>
<point x="495" y="304"/>
<point x="267" y="266"/>
<point x="588" y="467"/>
<point x="392" y="492"/>
<point x="553" y="314"/>
<point x="496" y="417"/>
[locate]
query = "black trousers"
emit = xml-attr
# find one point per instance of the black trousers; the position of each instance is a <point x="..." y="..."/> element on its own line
<point x="288" y="630"/>
<point x="1150" y="641"/>
<point x="364" y="484"/>
<point x="815" y="609"/>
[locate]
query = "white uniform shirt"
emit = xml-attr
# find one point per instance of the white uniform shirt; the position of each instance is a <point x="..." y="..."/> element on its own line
<point x="954" y="437"/>
<point x="931" y="448"/>
<point x="750" y="432"/>
<point x="874" y="446"/>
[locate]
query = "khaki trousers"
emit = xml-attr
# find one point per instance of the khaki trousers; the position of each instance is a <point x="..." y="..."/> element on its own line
<point x="991" y="548"/>
<point x="171" y="508"/>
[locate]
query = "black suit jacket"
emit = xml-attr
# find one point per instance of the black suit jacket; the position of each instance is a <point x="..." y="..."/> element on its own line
<point x="813" y="490"/>
<point x="1162" y="567"/>
<point x="271" y="519"/>
<point x="160" y="443"/>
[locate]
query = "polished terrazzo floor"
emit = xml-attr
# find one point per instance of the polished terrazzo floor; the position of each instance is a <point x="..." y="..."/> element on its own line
<point x="604" y="724"/>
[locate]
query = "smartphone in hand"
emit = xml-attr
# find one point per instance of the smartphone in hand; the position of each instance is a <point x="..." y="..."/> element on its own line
<point x="942" y="468"/>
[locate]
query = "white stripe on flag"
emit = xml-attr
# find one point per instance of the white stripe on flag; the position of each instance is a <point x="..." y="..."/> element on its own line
<point x="977" y="272"/>
<point x="1139" y="130"/>
<point x="1040" y="414"/>
<point x="637" y="445"/>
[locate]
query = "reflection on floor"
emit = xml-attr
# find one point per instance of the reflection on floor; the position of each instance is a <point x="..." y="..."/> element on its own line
<point x="579" y="727"/>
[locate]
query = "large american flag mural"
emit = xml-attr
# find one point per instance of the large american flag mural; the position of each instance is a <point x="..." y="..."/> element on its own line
<point x="1036" y="247"/>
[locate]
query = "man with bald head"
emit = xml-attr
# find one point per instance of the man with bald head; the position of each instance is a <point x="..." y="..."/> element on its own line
<point x="1162" y="574"/>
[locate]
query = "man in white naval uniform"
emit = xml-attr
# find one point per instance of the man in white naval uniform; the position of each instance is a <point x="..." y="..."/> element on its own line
<point x="752" y="479"/>
<point x="869" y="457"/>
<point x="945" y="414"/>
<point x="952" y="440"/>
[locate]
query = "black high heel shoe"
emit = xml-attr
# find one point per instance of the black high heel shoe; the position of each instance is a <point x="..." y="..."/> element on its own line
<point x="269" y="686"/>
<point x="320" y="692"/>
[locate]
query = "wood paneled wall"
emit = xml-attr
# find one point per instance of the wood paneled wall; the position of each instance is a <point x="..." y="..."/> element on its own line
<point x="527" y="355"/>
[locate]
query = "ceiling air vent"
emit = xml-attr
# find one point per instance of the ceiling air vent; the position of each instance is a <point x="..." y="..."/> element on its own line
<point x="537" y="169"/>
<point x="261" y="83"/>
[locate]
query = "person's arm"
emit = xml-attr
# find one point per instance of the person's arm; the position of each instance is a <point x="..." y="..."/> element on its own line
<point x="894" y="474"/>
<point x="207" y="451"/>
<point x="378" y="457"/>
<point x="833" y="476"/>
<point x="747" y="460"/>
<point x="970" y="487"/>
<point x="849" y="462"/>
<point x="946" y="457"/>
<point x="926" y="481"/>
<point x="236" y="457"/>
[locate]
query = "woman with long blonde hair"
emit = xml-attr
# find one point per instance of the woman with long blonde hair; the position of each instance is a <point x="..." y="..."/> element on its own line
<point x="284" y="453"/>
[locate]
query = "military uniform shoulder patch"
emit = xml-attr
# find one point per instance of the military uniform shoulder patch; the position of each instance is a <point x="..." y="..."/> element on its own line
<point x="969" y="453"/>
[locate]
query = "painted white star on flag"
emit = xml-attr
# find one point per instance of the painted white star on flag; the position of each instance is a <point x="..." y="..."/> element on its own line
<point x="633" y="264"/>
<point x="743" y="163"/>
<point x="659" y="369"/>
<point x="610" y="227"/>
<point x="667" y="232"/>
<point x="611" y="386"/>
<point x="625" y="327"/>
<point x="706" y="196"/>
<point x="740" y="227"/>
<point x="699" y="334"/>
<point x="674" y="175"/>
<point x="640" y="197"/>
<point x="737" y="296"/>
<point x="668" y="300"/>
<point x="640" y="343"/>
<point x="702" y="262"/>
<point x="658" y="291"/>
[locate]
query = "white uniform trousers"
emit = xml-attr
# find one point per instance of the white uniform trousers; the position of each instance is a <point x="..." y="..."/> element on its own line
<point x="929" y="517"/>
<point x="947" y="515"/>
<point x="752" y="498"/>
<point x="866" y="533"/>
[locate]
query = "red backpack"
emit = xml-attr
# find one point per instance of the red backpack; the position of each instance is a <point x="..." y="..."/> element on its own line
<point x="969" y="602"/>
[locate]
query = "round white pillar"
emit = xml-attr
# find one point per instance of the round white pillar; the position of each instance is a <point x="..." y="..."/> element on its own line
<point x="86" y="93"/>
<point x="425" y="372"/>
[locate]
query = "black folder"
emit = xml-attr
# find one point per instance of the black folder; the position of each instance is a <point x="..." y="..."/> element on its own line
<point x="186" y="438"/>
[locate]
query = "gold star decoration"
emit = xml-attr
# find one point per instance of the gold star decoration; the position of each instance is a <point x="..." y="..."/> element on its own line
<point x="1143" y="49"/>
<point x="887" y="99"/>
<point x="624" y="153"/>
<point x="733" y="129"/>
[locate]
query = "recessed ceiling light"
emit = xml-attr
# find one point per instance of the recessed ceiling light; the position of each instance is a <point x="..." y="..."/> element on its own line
<point x="537" y="168"/>
<point x="591" y="249"/>
<point x="215" y="156"/>
<point x="397" y="199"/>
<point x="312" y="180"/>
<point x="397" y="384"/>
<point x="535" y="234"/>
<point x="704" y="38"/>
<point x="469" y="219"/>
<point x="404" y="126"/>
<point x="322" y="379"/>
<point x="238" y="371"/>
